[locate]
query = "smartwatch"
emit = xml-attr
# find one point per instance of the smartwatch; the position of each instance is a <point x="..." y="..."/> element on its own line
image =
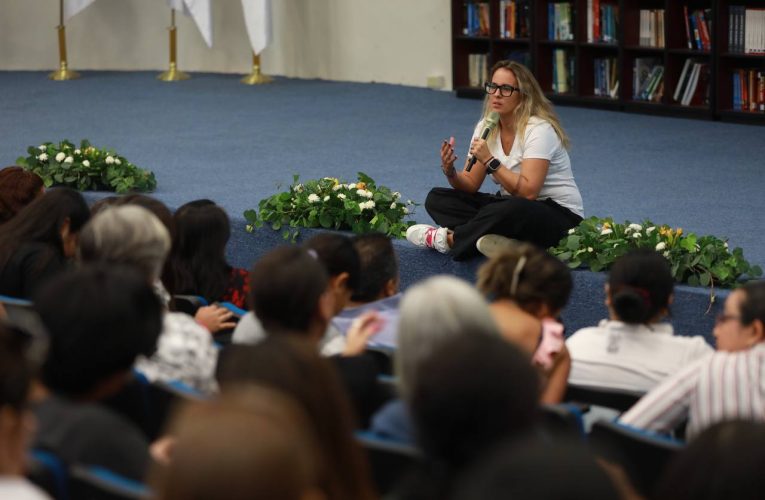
<point x="493" y="165"/>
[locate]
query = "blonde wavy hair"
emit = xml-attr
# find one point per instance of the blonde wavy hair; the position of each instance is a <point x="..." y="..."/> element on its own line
<point x="532" y="102"/>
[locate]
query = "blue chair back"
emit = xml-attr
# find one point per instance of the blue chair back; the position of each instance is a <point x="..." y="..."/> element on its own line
<point x="89" y="482"/>
<point x="389" y="460"/>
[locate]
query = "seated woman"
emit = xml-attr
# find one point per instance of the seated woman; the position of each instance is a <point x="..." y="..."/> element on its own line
<point x="634" y="349"/>
<point x="36" y="244"/>
<point x="525" y="154"/>
<point x="18" y="188"/>
<point x="197" y="262"/>
<point x="529" y="288"/>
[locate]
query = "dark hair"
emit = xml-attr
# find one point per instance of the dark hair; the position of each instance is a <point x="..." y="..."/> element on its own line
<point x="753" y="305"/>
<point x="100" y="318"/>
<point x="378" y="264"/>
<point x="338" y="255"/>
<point x="527" y="275"/>
<point x="292" y="365"/>
<point x="15" y="369"/>
<point x="18" y="188"/>
<point x="104" y="203"/>
<point x="640" y="285"/>
<point x="197" y="262"/>
<point x="473" y="391"/>
<point x="41" y="222"/>
<point x="535" y="470"/>
<point x="286" y="285"/>
<point x="725" y="461"/>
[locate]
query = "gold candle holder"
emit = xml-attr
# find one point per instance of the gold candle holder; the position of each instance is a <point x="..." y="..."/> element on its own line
<point x="63" y="72"/>
<point x="173" y="74"/>
<point x="256" y="77"/>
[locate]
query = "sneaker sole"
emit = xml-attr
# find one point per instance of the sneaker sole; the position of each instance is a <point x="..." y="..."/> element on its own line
<point x="493" y="244"/>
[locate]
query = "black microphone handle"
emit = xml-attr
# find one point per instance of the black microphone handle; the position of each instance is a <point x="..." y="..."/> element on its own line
<point x="473" y="159"/>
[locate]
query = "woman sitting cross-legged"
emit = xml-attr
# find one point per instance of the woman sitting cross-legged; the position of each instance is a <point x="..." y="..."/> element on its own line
<point x="634" y="349"/>
<point x="525" y="154"/>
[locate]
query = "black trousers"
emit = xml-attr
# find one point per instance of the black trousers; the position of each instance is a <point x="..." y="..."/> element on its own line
<point x="470" y="216"/>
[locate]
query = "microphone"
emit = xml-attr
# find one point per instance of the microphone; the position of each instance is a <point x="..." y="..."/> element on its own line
<point x="489" y="124"/>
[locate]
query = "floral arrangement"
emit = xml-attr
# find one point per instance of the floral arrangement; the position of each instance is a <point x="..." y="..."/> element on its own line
<point x="696" y="260"/>
<point x="85" y="168"/>
<point x="360" y="206"/>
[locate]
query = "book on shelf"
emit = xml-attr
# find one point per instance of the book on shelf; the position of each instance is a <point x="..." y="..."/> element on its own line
<point x="563" y="71"/>
<point x="651" y="30"/>
<point x="648" y="76"/>
<point x="749" y="90"/>
<point x="695" y="88"/>
<point x="746" y="29"/>
<point x="602" y="22"/>
<point x="606" y="82"/>
<point x="698" y="29"/>
<point x="476" y="18"/>
<point x="560" y="17"/>
<point x="514" y="18"/>
<point x="477" y="69"/>
<point x="521" y="56"/>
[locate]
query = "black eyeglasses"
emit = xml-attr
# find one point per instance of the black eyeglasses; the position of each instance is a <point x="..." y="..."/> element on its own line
<point x="504" y="90"/>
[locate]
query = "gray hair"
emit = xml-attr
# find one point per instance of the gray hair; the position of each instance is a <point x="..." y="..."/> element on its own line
<point x="129" y="235"/>
<point x="433" y="311"/>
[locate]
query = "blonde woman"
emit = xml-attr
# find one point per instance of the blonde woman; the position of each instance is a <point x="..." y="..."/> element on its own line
<point x="526" y="155"/>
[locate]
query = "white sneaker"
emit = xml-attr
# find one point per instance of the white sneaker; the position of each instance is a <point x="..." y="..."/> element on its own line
<point x="424" y="235"/>
<point x="494" y="244"/>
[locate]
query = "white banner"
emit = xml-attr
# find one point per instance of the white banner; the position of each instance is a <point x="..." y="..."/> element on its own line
<point x="74" y="7"/>
<point x="199" y="10"/>
<point x="257" y="17"/>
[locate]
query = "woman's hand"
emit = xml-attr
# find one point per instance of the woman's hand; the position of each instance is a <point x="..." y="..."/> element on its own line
<point x="480" y="150"/>
<point x="361" y="330"/>
<point x="214" y="318"/>
<point x="448" y="157"/>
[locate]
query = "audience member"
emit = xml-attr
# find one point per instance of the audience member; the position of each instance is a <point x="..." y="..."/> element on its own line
<point x="18" y="188"/>
<point x="131" y="235"/>
<point x="723" y="462"/>
<point x="253" y="443"/>
<point x="16" y="421"/>
<point x="529" y="288"/>
<point x="727" y="385"/>
<point x="197" y="264"/>
<point x="35" y="245"/>
<point x="100" y="320"/>
<point x="634" y="349"/>
<point x="291" y="365"/>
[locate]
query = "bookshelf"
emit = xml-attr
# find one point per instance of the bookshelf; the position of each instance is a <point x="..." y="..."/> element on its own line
<point x="588" y="53"/>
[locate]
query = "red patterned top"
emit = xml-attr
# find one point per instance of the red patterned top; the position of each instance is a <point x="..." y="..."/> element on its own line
<point x="238" y="288"/>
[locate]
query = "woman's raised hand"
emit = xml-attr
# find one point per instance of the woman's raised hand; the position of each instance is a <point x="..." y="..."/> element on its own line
<point x="480" y="150"/>
<point x="448" y="157"/>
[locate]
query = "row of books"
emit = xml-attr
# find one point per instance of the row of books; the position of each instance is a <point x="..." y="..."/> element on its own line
<point x="749" y="90"/>
<point x="698" y="26"/>
<point x="514" y="19"/>
<point x="651" y="33"/>
<point x="746" y="30"/>
<point x="563" y="71"/>
<point x="476" y="18"/>
<point x="606" y="83"/>
<point x="560" y="21"/>
<point x="648" y="79"/>
<point x="693" y="85"/>
<point x="601" y="21"/>
<point x="478" y="69"/>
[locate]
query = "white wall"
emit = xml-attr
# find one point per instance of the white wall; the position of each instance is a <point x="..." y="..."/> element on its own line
<point x="392" y="41"/>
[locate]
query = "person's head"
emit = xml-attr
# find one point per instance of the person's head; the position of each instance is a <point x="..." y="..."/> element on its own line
<point x="378" y="267"/>
<point x="341" y="261"/>
<point x="16" y="422"/>
<point x="536" y="281"/>
<point x="99" y="318"/>
<point x="289" y="291"/>
<point x="470" y="393"/>
<point x="292" y="366"/>
<point x="639" y="288"/>
<point x="533" y="470"/>
<point x="524" y="100"/>
<point x="742" y="322"/>
<point x="18" y="188"/>
<point x="725" y="461"/>
<point x="128" y="235"/>
<point x="154" y="206"/>
<point x="251" y="443"/>
<point x="432" y="311"/>
<point x="55" y="219"/>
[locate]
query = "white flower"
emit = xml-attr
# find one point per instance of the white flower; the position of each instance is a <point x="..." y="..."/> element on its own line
<point x="326" y="198"/>
<point x="636" y="235"/>
<point x="364" y="205"/>
<point x="117" y="161"/>
<point x="660" y="246"/>
<point x="396" y="195"/>
<point x="60" y="157"/>
<point x="109" y="160"/>
<point x="43" y="147"/>
<point x="725" y="245"/>
<point x="352" y="186"/>
<point x="85" y="163"/>
<point x="405" y="210"/>
<point x="666" y="254"/>
<point x="77" y="151"/>
<point x="43" y="157"/>
<point x="313" y="198"/>
<point x="298" y="188"/>
<point x="393" y="205"/>
<point x="572" y="230"/>
<point x="635" y="227"/>
<point x="70" y="160"/>
<point x="341" y="196"/>
<point x="364" y="193"/>
<point x="606" y="231"/>
<point x="409" y="202"/>
<point x="337" y="187"/>
<point x="590" y="249"/>
<point x="649" y="230"/>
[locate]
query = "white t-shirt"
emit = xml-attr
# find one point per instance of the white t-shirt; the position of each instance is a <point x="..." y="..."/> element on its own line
<point x="632" y="357"/>
<point x="18" y="488"/>
<point x="540" y="141"/>
<point x="249" y="330"/>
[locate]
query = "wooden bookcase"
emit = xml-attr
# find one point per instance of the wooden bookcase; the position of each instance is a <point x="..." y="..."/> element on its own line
<point x="718" y="59"/>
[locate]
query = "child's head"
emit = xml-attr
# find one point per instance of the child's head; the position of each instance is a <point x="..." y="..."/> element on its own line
<point x="639" y="289"/>
<point x="341" y="262"/>
<point x="378" y="267"/>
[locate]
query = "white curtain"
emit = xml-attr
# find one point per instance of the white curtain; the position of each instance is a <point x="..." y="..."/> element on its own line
<point x="74" y="7"/>
<point x="257" y="17"/>
<point x="199" y="10"/>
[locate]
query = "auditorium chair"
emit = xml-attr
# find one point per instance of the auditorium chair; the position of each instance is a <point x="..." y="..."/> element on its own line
<point x="88" y="482"/>
<point x="49" y="473"/>
<point x="389" y="460"/>
<point x="617" y="399"/>
<point x="563" y="420"/>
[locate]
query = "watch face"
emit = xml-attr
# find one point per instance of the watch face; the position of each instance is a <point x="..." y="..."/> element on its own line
<point x="494" y="164"/>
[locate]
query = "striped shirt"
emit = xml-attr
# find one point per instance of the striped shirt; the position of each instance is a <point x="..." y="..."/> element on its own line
<point x="724" y="386"/>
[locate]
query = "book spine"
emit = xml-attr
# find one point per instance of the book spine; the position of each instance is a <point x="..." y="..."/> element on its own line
<point x="687" y="28"/>
<point x="706" y="43"/>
